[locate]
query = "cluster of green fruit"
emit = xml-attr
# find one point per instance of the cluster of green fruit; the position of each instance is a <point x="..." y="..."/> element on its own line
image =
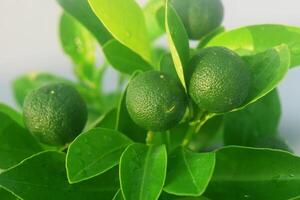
<point x="219" y="81"/>
<point x="156" y="101"/>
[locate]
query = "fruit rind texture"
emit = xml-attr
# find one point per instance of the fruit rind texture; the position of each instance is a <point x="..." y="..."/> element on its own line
<point x="55" y="113"/>
<point x="220" y="80"/>
<point x="155" y="101"/>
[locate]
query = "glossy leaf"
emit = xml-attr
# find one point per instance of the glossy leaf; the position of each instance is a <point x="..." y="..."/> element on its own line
<point x="256" y="121"/>
<point x="124" y="19"/>
<point x="268" y="69"/>
<point x="76" y="41"/>
<point x="258" y="38"/>
<point x="16" y="143"/>
<point x="80" y="45"/>
<point x="118" y="196"/>
<point x="158" y="53"/>
<point x="13" y="114"/>
<point x="143" y="171"/>
<point x="81" y="10"/>
<point x="153" y="25"/>
<point x="5" y="195"/>
<point x="167" y="65"/>
<point x="248" y="173"/>
<point x="296" y="198"/>
<point x="106" y="121"/>
<point x="44" y="175"/>
<point x="25" y="83"/>
<point x="177" y="135"/>
<point x="206" y="39"/>
<point x="94" y="153"/>
<point x="124" y="59"/>
<point x="178" y="42"/>
<point x="172" y="138"/>
<point x="189" y="173"/>
<point x="211" y="134"/>
<point x="166" y="196"/>
<point x="126" y="125"/>
<point x="273" y="142"/>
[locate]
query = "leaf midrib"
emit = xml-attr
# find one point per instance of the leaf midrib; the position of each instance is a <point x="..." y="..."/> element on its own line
<point x="97" y="189"/>
<point x="189" y="171"/>
<point x="97" y="160"/>
<point x="144" y="172"/>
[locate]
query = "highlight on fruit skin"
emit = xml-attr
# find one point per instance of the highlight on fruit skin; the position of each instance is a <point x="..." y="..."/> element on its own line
<point x="199" y="17"/>
<point x="219" y="81"/>
<point x="55" y="113"/>
<point x="155" y="101"/>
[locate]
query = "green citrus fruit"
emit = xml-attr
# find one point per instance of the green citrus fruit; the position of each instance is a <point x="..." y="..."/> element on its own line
<point x="199" y="17"/>
<point x="220" y="80"/>
<point x="55" y="113"/>
<point x="155" y="101"/>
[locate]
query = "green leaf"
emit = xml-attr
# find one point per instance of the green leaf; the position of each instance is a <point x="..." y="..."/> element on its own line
<point x="43" y="175"/>
<point x="160" y="16"/>
<point x="13" y="114"/>
<point x="258" y="120"/>
<point x="143" y="171"/>
<point x="153" y="25"/>
<point x="273" y="142"/>
<point x="25" y="83"/>
<point x="81" y="10"/>
<point x="5" y="195"/>
<point x="178" y="42"/>
<point x="94" y="153"/>
<point x="80" y="45"/>
<point x="171" y="138"/>
<point x="296" y="198"/>
<point x="16" y="143"/>
<point x="248" y="173"/>
<point x="189" y="173"/>
<point x="206" y="39"/>
<point x="76" y="41"/>
<point x="118" y="196"/>
<point x="158" y="53"/>
<point x="124" y="19"/>
<point x="167" y="65"/>
<point x="110" y="100"/>
<point x="211" y="133"/>
<point x="258" y="38"/>
<point x="177" y="134"/>
<point x="166" y="196"/>
<point x="125" y="124"/>
<point x="268" y="69"/>
<point x="124" y="59"/>
<point x="106" y="121"/>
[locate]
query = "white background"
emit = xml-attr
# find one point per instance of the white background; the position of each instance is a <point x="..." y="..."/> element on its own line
<point x="29" y="42"/>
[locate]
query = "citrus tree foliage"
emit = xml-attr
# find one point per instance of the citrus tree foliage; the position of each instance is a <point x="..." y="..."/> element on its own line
<point x="190" y="152"/>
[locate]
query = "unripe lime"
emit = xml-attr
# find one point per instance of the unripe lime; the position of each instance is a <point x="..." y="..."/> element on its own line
<point x="55" y="114"/>
<point x="220" y="80"/>
<point x="199" y="17"/>
<point x="155" y="101"/>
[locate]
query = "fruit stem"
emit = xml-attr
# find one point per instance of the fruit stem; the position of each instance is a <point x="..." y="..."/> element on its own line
<point x="196" y="126"/>
<point x="64" y="148"/>
<point x="150" y="136"/>
<point x="188" y="136"/>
